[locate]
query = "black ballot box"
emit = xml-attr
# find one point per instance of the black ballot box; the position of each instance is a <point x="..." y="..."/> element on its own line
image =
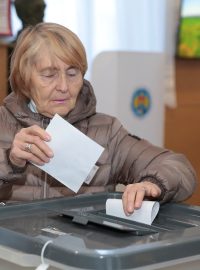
<point x="76" y="233"/>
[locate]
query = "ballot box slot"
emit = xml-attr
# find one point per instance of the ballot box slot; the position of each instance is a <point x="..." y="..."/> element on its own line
<point x="99" y="219"/>
<point x="161" y="223"/>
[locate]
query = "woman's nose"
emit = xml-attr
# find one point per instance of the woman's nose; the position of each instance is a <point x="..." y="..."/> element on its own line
<point x="62" y="83"/>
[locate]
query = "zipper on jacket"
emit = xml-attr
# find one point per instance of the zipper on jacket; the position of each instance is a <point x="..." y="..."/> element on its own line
<point x="45" y="174"/>
<point x="45" y="186"/>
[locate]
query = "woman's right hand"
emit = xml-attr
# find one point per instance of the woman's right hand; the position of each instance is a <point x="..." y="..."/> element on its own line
<point x="29" y="145"/>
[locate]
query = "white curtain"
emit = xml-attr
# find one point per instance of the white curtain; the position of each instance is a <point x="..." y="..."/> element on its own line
<point x="102" y="25"/>
<point x="114" y="24"/>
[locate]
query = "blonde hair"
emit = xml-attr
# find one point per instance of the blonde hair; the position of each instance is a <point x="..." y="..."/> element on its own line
<point x="60" y="41"/>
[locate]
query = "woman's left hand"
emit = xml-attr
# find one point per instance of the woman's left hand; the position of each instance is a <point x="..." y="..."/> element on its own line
<point x="134" y="194"/>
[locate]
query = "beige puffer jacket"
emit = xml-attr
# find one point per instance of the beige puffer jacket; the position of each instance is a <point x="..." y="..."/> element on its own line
<point x="126" y="158"/>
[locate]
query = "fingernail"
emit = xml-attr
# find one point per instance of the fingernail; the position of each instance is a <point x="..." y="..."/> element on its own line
<point x="130" y="208"/>
<point x="47" y="138"/>
<point x="51" y="154"/>
<point x="41" y="164"/>
<point x="137" y="205"/>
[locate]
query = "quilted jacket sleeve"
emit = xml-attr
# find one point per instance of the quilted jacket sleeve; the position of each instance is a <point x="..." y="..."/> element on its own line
<point x="8" y="174"/>
<point x="137" y="160"/>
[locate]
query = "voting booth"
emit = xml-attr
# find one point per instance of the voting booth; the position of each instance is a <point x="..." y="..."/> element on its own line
<point x="76" y="233"/>
<point x="130" y="86"/>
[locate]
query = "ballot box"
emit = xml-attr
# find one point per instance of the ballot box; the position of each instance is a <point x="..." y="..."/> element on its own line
<point x="76" y="233"/>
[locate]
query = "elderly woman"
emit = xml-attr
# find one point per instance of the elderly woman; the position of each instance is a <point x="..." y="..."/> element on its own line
<point x="47" y="77"/>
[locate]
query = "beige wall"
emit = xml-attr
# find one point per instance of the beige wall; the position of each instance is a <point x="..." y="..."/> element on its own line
<point x="182" y="125"/>
<point x="3" y="71"/>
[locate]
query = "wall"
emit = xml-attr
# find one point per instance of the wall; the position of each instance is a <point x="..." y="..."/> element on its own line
<point x="3" y="71"/>
<point x="182" y="124"/>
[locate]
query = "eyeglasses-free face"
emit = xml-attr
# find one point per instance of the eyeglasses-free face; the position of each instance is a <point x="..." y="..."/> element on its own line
<point x="54" y="87"/>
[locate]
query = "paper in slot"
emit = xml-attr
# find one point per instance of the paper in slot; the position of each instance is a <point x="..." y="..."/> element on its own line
<point x="146" y="214"/>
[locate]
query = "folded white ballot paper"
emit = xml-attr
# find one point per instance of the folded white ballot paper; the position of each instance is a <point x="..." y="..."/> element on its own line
<point x="146" y="214"/>
<point x="75" y="154"/>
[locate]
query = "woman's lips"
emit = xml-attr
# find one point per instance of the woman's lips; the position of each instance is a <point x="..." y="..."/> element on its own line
<point x="60" y="101"/>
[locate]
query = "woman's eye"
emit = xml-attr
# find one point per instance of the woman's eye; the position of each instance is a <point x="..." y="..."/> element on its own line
<point x="49" y="75"/>
<point x="72" y="72"/>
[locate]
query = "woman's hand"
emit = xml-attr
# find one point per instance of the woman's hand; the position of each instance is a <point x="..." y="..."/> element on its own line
<point x="134" y="194"/>
<point x="29" y="145"/>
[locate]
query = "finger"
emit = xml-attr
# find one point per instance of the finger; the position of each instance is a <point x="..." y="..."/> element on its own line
<point x="18" y="155"/>
<point x="155" y="192"/>
<point x="24" y="155"/>
<point x="139" y="197"/>
<point x="129" y="199"/>
<point x="34" y="130"/>
<point x="35" y="160"/>
<point x="135" y="198"/>
<point x="26" y="137"/>
<point x="152" y="190"/>
<point x="22" y="152"/>
<point x="40" y="132"/>
<point x="41" y="148"/>
<point x="28" y="147"/>
<point x="38" y="154"/>
<point x="126" y="202"/>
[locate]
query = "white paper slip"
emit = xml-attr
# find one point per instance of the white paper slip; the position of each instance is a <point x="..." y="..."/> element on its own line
<point x="146" y="214"/>
<point x="75" y="154"/>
